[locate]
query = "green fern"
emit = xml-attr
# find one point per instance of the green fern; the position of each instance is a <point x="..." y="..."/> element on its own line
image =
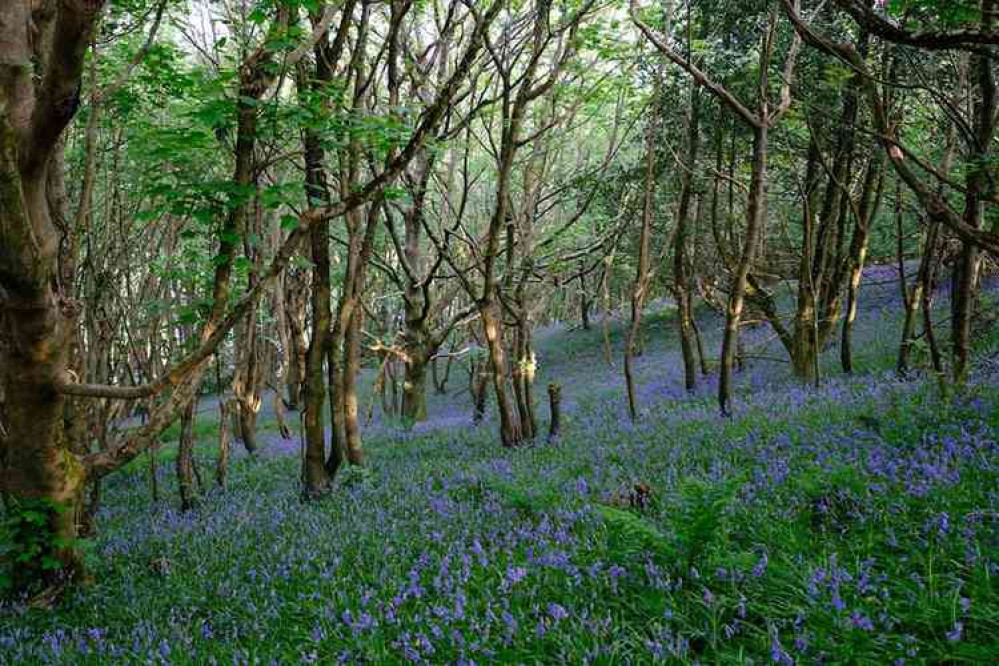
<point x="630" y="535"/>
<point x="701" y="519"/>
<point x="522" y="500"/>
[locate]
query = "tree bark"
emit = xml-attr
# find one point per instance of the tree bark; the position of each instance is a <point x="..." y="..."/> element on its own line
<point x="41" y="66"/>
<point x="185" y="458"/>
<point x="480" y="382"/>
<point x="755" y="216"/>
<point x="352" y="366"/>
<point x="555" y="409"/>
<point x="316" y="474"/>
<point x="414" y="387"/>
<point x="978" y="187"/>
<point x="682" y="291"/>
<point x="510" y="431"/>
<point x="222" y="465"/>
<point x="642" y="276"/>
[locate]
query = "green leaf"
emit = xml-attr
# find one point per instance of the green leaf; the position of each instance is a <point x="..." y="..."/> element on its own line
<point x="50" y="563"/>
<point x="33" y="517"/>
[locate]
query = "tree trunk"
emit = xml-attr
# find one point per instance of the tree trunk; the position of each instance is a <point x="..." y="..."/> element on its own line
<point x="338" y="435"/>
<point x="248" y="424"/>
<point x="805" y="350"/>
<point x="524" y="380"/>
<point x="681" y="273"/>
<point x="442" y="384"/>
<point x="222" y="466"/>
<point x="755" y="217"/>
<point x="701" y="356"/>
<point x="804" y="347"/>
<point x="154" y="486"/>
<point x="978" y="187"/>
<point x="246" y="383"/>
<point x="352" y="366"/>
<point x="929" y="282"/>
<point x="40" y="470"/>
<point x="964" y="291"/>
<point x="642" y="276"/>
<point x="852" y="299"/>
<point x="605" y="314"/>
<point x="480" y="382"/>
<point x="510" y="431"/>
<point x="280" y="416"/>
<point x="316" y="474"/>
<point x="185" y="458"/>
<point x="435" y="377"/>
<point x="41" y="473"/>
<point x="913" y="296"/>
<point x="555" y="409"/>
<point x="295" y="290"/>
<point x="414" y="387"/>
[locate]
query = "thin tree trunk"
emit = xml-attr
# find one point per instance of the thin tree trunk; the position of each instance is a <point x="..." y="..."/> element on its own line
<point x="642" y="276"/>
<point x="280" y="416"/>
<point x="222" y="465"/>
<point x="298" y="344"/>
<point x="605" y="316"/>
<point x="185" y="458"/>
<point x="316" y="474"/>
<point x="852" y="306"/>
<point x="480" y="384"/>
<point x="510" y="431"/>
<point x="929" y="282"/>
<point x="246" y="383"/>
<point x="435" y="377"/>
<point x="555" y="410"/>
<point x="335" y="370"/>
<point x="442" y="385"/>
<point x="911" y="298"/>
<point x="755" y="216"/>
<point x="524" y="380"/>
<point x="804" y="343"/>
<point x="352" y="366"/>
<point x="681" y="275"/>
<point x="978" y="187"/>
<point x="701" y="356"/>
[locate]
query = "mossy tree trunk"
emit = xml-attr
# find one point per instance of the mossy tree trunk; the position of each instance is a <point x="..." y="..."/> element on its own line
<point x="41" y="63"/>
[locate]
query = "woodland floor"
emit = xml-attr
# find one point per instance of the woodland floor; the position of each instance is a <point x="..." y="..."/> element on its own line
<point x="855" y="523"/>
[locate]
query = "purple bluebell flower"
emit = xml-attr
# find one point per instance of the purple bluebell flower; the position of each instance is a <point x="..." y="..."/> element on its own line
<point x="761" y="566"/>
<point x="861" y="621"/>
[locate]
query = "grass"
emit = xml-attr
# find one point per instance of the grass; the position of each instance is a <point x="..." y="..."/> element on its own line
<point x="857" y="523"/>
